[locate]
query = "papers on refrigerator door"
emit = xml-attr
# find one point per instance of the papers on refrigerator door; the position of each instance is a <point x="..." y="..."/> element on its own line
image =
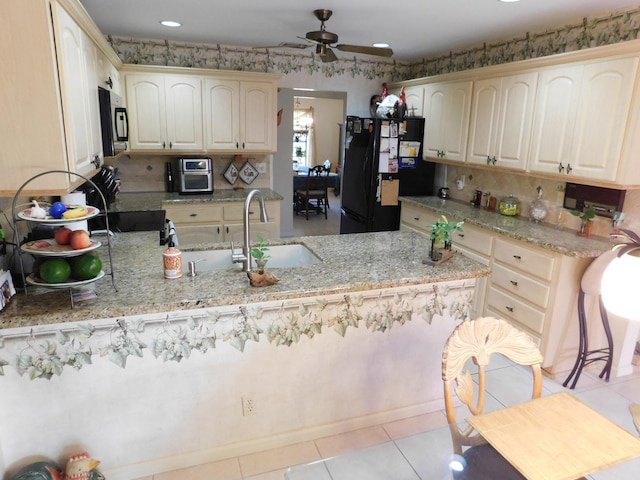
<point x="409" y="151"/>
<point x="388" y="150"/>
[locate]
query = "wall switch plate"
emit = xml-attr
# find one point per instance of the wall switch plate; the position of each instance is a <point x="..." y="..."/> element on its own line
<point x="261" y="167"/>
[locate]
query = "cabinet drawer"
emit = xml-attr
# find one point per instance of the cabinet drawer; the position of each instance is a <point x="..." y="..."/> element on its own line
<point x="199" y="234"/>
<point x="417" y="217"/>
<point x="516" y="310"/>
<point x="518" y="284"/>
<point x="473" y="238"/>
<point x="535" y="338"/>
<point x="194" y="213"/>
<point x="235" y="212"/>
<point x="524" y="258"/>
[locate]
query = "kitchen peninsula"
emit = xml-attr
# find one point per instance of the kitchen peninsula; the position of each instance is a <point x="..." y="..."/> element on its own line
<point x="334" y="346"/>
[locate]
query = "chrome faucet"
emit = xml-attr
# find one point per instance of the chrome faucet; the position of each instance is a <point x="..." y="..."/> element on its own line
<point x="245" y="256"/>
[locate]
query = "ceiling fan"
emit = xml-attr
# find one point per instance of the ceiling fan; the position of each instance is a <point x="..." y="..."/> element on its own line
<point x="324" y="41"/>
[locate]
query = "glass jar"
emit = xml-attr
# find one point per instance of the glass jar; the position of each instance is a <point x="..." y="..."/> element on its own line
<point x="509" y="206"/>
<point x="538" y="210"/>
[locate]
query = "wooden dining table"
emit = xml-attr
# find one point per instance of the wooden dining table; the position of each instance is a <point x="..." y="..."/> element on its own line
<point x="556" y="437"/>
<point x="300" y="178"/>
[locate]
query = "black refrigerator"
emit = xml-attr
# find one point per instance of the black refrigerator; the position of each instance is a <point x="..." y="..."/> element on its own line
<point x="383" y="160"/>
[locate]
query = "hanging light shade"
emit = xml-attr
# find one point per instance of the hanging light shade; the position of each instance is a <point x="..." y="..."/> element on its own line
<point x="619" y="288"/>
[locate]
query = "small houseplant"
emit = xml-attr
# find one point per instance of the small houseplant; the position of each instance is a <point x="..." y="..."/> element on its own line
<point x="586" y="217"/>
<point x="441" y="231"/>
<point x="259" y="254"/>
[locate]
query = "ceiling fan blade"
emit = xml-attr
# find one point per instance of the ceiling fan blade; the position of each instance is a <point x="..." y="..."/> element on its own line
<point x="381" y="52"/>
<point x="300" y="46"/>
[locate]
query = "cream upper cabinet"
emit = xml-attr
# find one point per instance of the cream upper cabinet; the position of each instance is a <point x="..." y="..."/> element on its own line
<point x="50" y="98"/>
<point x="165" y="112"/>
<point x="582" y="114"/>
<point x="79" y="69"/>
<point x="501" y="119"/>
<point x="414" y="97"/>
<point x="447" y="108"/>
<point x="240" y="116"/>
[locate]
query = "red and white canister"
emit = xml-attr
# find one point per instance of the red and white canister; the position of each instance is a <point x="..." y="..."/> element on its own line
<point x="172" y="258"/>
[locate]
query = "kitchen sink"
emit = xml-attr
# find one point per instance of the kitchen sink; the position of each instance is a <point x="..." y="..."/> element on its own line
<point x="280" y="256"/>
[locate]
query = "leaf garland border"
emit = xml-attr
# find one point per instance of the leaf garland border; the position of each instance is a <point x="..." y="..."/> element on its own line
<point x="174" y="336"/>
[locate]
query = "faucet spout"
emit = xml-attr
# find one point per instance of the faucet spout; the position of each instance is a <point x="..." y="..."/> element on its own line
<point x="245" y="257"/>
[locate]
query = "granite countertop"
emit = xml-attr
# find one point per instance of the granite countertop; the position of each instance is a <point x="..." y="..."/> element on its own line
<point x="144" y="201"/>
<point x="366" y="262"/>
<point x="565" y="242"/>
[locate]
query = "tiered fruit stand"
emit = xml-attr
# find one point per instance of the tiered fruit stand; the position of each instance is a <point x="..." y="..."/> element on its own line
<point x="20" y="214"/>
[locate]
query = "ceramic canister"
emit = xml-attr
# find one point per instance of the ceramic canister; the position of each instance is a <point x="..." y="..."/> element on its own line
<point x="172" y="258"/>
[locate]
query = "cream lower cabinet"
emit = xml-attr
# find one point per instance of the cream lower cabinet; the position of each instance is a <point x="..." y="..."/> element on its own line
<point x="207" y="222"/>
<point x="165" y="112"/>
<point x="447" y="107"/>
<point x="533" y="288"/>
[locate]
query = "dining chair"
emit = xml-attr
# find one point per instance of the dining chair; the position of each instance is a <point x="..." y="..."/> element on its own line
<point x="471" y="346"/>
<point x="314" y="195"/>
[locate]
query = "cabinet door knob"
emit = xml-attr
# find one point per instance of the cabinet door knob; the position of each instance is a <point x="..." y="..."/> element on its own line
<point x="494" y="160"/>
<point x="417" y="219"/>
<point x="193" y="215"/>
<point x="461" y="235"/>
<point x="517" y="257"/>
<point x="560" y="167"/>
<point x="164" y="145"/>
<point x="509" y="309"/>
<point x="514" y="283"/>
<point x="569" y="168"/>
<point x="170" y="145"/>
<point x="488" y="159"/>
<point x="237" y="145"/>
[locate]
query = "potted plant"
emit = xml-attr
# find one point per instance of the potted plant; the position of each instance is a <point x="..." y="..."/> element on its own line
<point x="586" y="217"/>
<point x="441" y="231"/>
<point x="259" y="254"/>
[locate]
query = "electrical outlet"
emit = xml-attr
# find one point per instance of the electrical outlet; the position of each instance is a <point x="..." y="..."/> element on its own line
<point x="248" y="406"/>
<point x="261" y="167"/>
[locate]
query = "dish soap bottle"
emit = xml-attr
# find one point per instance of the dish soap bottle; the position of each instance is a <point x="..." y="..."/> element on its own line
<point x="538" y="210"/>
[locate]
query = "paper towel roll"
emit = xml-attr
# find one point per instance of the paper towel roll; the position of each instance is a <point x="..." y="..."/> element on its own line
<point x="76" y="198"/>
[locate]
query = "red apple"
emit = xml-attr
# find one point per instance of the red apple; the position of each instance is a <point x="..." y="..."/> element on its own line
<point x="63" y="236"/>
<point x="79" y="239"/>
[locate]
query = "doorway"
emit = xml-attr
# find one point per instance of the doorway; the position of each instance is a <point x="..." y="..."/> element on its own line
<point x="328" y="147"/>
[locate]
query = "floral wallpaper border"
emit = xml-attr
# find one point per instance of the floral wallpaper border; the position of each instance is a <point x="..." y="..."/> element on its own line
<point x="618" y="26"/>
<point x="173" y="337"/>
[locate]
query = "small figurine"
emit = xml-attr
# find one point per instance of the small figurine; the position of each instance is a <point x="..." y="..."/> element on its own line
<point x="401" y="105"/>
<point x="385" y="91"/>
<point x="82" y="467"/>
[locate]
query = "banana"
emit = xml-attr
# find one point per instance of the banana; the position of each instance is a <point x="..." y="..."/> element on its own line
<point x="75" y="212"/>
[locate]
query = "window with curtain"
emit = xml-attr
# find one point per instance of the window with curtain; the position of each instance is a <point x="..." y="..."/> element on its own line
<point x="303" y="138"/>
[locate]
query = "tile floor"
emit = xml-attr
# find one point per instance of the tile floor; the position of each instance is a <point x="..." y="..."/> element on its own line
<point x="317" y="225"/>
<point x="508" y="384"/>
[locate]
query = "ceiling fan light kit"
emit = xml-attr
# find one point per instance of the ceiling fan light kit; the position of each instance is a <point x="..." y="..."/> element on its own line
<point x="324" y="42"/>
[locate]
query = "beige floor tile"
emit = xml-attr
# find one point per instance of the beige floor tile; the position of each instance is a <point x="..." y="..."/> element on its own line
<point x="278" y="458"/>
<point x="275" y="475"/>
<point x="337" y="444"/>
<point x="411" y="426"/>
<point x="222" y="470"/>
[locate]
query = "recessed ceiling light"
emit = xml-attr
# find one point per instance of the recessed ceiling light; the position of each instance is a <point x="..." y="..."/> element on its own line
<point x="508" y="1"/>
<point x="381" y="45"/>
<point x="170" y="23"/>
